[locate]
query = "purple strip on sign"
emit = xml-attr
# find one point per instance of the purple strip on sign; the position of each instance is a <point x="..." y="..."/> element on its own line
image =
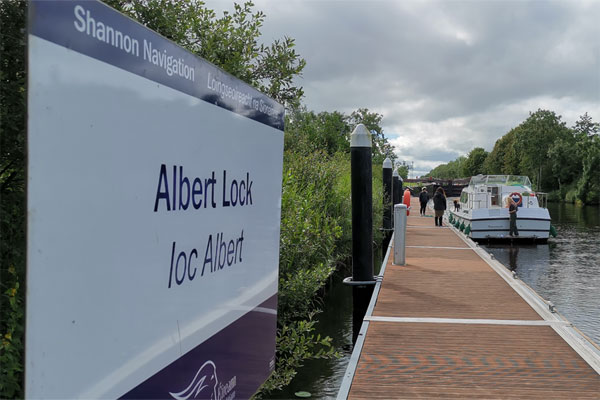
<point x="230" y="365"/>
<point x="98" y="31"/>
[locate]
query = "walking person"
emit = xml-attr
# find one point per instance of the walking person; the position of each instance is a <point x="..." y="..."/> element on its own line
<point x="423" y="199"/>
<point x="512" y="214"/>
<point x="439" y="205"/>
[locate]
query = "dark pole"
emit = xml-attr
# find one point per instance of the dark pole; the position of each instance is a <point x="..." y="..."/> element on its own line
<point x="397" y="190"/>
<point x="387" y="203"/>
<point x="362" y="279"/>
<point x="362" y="204"/>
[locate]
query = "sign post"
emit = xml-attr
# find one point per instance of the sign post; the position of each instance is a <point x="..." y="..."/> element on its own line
<point x="154" y="192"/>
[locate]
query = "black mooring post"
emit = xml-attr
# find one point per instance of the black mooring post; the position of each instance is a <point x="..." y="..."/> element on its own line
<point x="397" y="189"/>
<point x="362" y="280"/>
<point x="362" y="204"/>
<point x="387" y="203"/>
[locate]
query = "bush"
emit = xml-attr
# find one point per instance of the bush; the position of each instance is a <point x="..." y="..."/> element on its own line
<point x="316" y="235"/>
<point x="12" y="197"/>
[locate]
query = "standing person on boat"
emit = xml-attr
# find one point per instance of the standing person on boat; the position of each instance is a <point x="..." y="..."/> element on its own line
<point x="439" y="205"/>
<point x="423" y="199"/>
<point x="512" y="213"/>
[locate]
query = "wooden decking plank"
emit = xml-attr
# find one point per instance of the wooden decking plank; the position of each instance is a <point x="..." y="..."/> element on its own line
<point x="415" y="359"/>
<point x="506" y="359"/>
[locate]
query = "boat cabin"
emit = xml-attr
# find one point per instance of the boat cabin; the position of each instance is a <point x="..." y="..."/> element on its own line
<point x="490" y="191"/>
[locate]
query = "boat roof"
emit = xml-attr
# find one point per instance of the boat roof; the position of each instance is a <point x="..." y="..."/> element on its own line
<point x="506" y="180"/>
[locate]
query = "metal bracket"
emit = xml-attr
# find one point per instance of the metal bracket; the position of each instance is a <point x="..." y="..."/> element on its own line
<point x="348" y="281"/>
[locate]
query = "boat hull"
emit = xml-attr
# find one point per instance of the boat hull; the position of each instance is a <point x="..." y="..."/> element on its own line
<point x="486" y="224"/>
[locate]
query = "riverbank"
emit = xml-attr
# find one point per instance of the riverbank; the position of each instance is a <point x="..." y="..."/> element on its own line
<point x="569" y="196"/>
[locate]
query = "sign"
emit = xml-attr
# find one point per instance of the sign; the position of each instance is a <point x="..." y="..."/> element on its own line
<point x="154" y="192"/>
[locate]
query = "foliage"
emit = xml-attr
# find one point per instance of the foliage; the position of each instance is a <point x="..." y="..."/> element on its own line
<point x="316" y="204"/>
<point x="451" y="170"/>
<point x="588" y="184"/>
<point x="372" y="121"/>
<point x="588" y="154"/>
<point x="307" y="131"/>
<point x="473" y="165"/>
<point x="565" y="163"/>
<point x="562" y="160"/>
<point x="502" y="156"/>
<point x="316" y="231"/>
<point x="534" y="138"/>
<point x="230" y="42"/>
<point x="12" y="196"/>
<point x="11" y="342"/>
<point x="403" y="171"/>
<point x="309" y="229"/>
<point x="296" y="342"/>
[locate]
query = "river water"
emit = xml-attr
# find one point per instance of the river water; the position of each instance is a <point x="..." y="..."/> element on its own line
<point x="565" y="271"/>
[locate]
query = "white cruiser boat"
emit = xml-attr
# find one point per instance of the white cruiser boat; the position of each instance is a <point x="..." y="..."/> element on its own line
<point x="483" y="213"/>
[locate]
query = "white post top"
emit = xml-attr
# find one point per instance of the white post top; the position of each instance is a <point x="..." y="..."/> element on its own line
<point x="399" y="206"/>
<point x="361" y="137"/>
<point x="387" y="163"/>
<point x="395" y="174"/>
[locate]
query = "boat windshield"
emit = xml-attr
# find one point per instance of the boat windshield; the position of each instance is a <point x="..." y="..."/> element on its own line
<point x="506" y="180"/>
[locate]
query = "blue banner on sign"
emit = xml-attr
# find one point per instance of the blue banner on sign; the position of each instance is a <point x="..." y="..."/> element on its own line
<point x="230" y="365"/>
<point x="96" y="30"/>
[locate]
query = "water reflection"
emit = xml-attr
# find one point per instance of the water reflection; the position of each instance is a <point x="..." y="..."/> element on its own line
<point x="565" y="271"/>
<point x="322" y="378"/>
<point x="513" y="256"/>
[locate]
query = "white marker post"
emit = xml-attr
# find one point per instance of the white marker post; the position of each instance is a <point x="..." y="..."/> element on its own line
<point x="400" y="234"/>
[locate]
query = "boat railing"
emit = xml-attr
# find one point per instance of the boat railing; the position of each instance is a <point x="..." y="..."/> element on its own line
<point x="542" y="199"/>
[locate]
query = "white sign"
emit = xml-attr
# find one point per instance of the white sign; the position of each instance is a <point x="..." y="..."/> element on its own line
<point x="153" y="213"/>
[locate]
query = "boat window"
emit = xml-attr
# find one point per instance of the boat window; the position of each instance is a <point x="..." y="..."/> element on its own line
<point x="494" y="196"/>
<point x="464" y="197"/>
<point x="507" y="180"/>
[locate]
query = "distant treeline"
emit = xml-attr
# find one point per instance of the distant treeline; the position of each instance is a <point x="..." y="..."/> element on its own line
<point x="560" y="160"/>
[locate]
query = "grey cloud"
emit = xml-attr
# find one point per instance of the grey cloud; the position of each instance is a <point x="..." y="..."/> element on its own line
<point x="426" y="64"/>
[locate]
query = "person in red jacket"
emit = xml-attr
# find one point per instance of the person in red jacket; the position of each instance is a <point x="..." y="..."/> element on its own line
<point x="406" y="200"/>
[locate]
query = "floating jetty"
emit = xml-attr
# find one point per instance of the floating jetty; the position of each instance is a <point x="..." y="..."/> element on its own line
<point x="455" y="323"/>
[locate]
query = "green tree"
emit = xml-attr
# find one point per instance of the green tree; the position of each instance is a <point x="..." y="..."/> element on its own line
<point x="403" y="171"/>
<point x="496" y="161"/>
<point x="588" y="153"/>
<point x="585" y="126"/>
<point x="564" y="160"/>
<point x="372" y="121"/>
<point x="451" y="170"/>
<point x="534" y="138"/>
<point x="230" y="42"/>
<point x="307" y="131"/>
<point x="12" y="196"/>
<point x="473" y="165"/>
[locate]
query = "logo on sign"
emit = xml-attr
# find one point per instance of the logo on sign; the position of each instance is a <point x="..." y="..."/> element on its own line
<point x="205" y="385"/>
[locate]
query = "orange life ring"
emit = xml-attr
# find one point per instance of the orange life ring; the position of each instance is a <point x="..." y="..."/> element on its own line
<point x="519" y="196"/>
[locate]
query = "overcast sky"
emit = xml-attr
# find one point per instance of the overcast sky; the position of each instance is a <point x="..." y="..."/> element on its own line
<point x="447" y="76"/>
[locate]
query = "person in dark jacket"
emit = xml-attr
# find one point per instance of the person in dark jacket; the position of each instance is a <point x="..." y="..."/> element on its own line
<point x="512" y="213"/>
<point x="439" y="205"/>
<point x="423" y="199"/>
